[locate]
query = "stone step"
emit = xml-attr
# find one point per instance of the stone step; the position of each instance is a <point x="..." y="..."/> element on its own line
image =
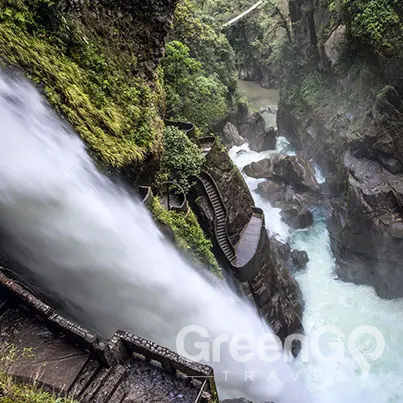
<point x="86" y="376"/>
<point x="114" y="379"/>
<point x="97" y="383"/>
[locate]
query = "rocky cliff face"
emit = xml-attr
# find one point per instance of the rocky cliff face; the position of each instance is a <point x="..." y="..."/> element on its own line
<point x="272" y="288"/>
<point x="141" y="26"/>
<point x="351" y="123"/>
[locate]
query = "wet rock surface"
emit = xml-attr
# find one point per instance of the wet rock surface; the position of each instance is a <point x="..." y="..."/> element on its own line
<point x="293" y="259"/>
<point x="233" y="189"/>
<point x="231" y="136"/>
<point x="260" y="137"/>
<point x="359" y="148"/>
<point x="291" y="170"/>
<point x="290" y="185"/>
<point x="297" y="217"/>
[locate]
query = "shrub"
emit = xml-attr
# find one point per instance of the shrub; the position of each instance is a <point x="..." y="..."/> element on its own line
<point x="181" y="159"/>
<point x="371" y="22"/>
<point x="191" y="94"/>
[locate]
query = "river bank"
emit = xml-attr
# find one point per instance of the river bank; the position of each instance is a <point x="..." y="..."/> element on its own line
<point x="330" y="302"/>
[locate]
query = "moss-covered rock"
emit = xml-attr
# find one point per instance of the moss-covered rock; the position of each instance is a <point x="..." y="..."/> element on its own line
<point x="96" y="65"/>
<point x="188" y="234"/>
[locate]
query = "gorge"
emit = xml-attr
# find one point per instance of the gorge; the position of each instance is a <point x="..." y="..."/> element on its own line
<point x="273" y="206"/>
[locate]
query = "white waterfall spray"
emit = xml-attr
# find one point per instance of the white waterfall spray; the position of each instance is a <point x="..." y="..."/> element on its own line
<point x="97" y="248"/>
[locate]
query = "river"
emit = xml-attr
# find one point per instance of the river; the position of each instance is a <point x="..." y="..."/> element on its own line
<point x="367" y="372"/>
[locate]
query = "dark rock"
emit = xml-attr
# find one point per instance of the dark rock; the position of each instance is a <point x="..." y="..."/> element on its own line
<point x="396" y="229"/>
<point x="390" y="163"/>
<point x="299" y="258"/>
<point x="255" y="132"/>
<point x="260" y="169"/>
<point x="231" y="136"/>
<point x="293" y="260"/>
<point x="362" y="157"/>
<point x="272" y="191"/>
<point x="297" y="218"/>
<point x="291" y="170"/>
<point x="295" y="171"/>
<point x="234" y="191"/>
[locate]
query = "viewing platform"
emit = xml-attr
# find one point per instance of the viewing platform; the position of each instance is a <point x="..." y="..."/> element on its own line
<point x="68" y="360"/>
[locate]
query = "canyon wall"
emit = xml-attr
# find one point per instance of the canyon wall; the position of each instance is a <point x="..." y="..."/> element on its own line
<point x="343" y="107"/>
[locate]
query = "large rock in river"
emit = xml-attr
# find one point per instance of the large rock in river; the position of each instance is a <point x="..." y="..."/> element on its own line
<point x="292" y="170"/>
<point x="231" y="137"/>
<point x="259" y="137"/>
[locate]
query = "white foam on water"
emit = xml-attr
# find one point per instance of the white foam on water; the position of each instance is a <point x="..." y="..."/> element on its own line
<point x="94" y="245"/>
<point x="330" y="302"/>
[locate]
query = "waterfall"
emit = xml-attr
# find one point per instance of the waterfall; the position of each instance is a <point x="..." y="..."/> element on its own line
<point x="92" y="244"/>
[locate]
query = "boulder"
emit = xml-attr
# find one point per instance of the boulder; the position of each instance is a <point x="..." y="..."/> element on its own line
<point x="295" y="171"/>
<point x="260" y="169"/>
<point x="254" y="130"/>
<point x="291" y="170"/>
<point x="231" y="137"/>
<point x="297" y="218"/>
<point x="299" y="259"/>
<point x="293" y="259"/>
<point x="287" y="197"/>
<point x="272" y="191"/>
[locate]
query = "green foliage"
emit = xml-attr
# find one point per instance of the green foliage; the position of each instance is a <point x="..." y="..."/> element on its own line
<point x="206" y="42"/>
<point x="91" y="83"/>
<point x="188" y="235"/>
<point x="373" y="22"/>
<point x="253" y="37"/>
<point x="191" y="94"/>
<point x="13" y="392"/>
<point x="181" y="160"/>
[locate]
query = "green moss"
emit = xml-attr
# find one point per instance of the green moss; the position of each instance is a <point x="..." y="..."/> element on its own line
<point x="188" y="235"/>
<point x="91" y="83"/>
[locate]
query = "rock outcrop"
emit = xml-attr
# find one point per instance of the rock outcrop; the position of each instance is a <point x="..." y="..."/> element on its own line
<point x="358" y="144"/>
<point x="234" y="190"/>
<point x="290" y="185"/>
<point x="293" y="259"/>
<point x="268" y="284"/>
<point x="254" y="129"/>
<point x="231" y="136"/>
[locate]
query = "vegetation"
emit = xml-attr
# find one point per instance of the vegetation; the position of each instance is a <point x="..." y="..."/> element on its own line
<point x="96" y="86"/>
<point x="371" y="22"/>
<point x="181" y="160"/>
<point x="199" y="69"/>
<point x="255" y="37"/>
<point x="188" y="235"/>
<point x="13" y="392"/>
<point x="191" y="94"/>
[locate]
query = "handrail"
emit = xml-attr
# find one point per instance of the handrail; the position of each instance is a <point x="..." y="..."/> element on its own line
<point x="118" y="349"/>
<point x="187" y="127"/>
<point x="146" y="194"/>
<point x="228" y="241"/>
<point x="184" y="206"/>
